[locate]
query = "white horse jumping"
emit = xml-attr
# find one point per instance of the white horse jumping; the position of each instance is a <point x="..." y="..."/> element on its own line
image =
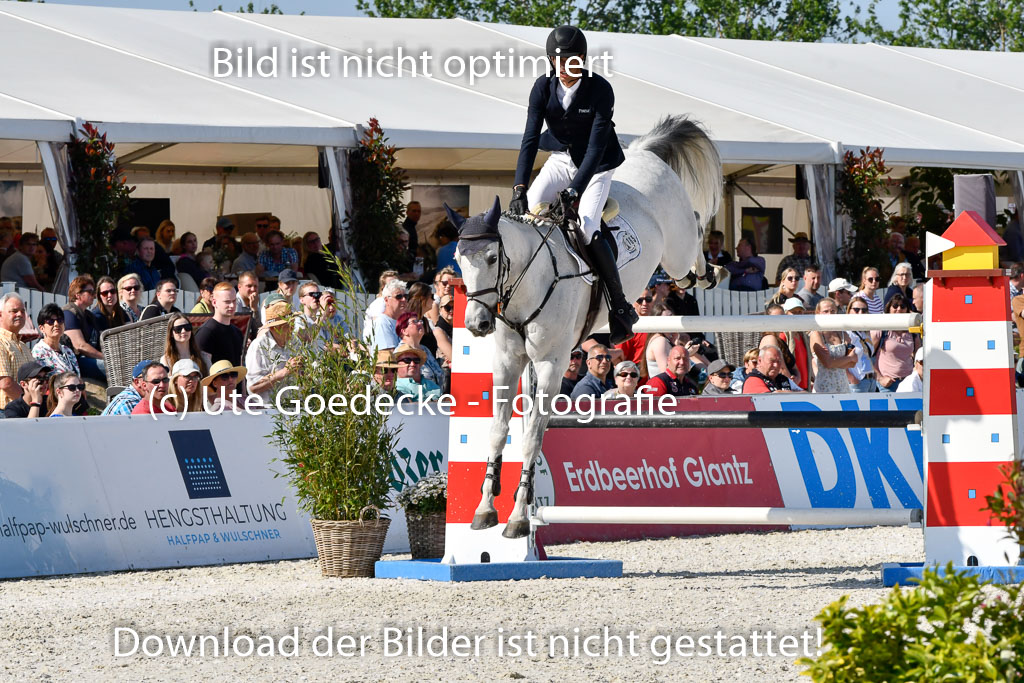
<point x="524" y="286"/>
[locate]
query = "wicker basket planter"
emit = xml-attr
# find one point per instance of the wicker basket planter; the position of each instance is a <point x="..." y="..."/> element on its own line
<point x="350" y="548"/>
<point x="426" y="534"/>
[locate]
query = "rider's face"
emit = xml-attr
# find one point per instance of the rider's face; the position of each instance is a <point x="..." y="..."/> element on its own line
<point x="569" y="69"/>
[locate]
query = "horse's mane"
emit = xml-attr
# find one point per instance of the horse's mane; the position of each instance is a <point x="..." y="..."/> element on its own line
<point x="541" y="221"/>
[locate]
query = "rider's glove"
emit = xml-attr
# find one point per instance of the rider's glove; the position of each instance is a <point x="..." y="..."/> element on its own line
<point x="518" y="204"/>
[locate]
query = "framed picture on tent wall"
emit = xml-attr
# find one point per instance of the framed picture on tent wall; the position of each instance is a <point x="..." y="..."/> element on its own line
<point x="432" y="199"/>
<point x="12" y="202"/>
<point x="765" y="227"/>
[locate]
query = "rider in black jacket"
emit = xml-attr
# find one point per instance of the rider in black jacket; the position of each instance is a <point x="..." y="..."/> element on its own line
<point x="577" y="107"/>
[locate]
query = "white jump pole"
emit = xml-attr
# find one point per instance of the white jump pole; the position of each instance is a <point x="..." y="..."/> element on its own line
<point x="842" y="322"/>
<point x="586" y="514"/>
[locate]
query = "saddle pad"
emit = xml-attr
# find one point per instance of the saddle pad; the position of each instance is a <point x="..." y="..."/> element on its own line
<point x="625" y="238"/>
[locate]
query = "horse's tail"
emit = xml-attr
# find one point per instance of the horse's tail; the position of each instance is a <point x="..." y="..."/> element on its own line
<point x="683" y="144"/>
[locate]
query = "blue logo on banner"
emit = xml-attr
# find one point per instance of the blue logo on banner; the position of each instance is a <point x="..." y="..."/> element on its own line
<point x="199" y="464"/>
<point x="871" y="447"/>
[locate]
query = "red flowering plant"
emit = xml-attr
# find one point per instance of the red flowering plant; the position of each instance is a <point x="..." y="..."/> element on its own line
<point x="99" y="193"/>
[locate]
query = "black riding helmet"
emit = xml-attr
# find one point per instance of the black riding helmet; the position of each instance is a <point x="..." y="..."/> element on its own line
<point x="566" y="41"/>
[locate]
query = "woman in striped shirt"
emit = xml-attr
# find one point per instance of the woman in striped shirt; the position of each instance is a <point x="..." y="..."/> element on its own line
<point x="869" y="281"/>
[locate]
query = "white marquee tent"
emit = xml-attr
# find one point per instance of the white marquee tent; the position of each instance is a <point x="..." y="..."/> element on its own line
<point x="147" y="78"/>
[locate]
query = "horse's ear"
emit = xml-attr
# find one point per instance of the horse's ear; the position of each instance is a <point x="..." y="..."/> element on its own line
<point x="491" y="217"/>
<point x="455" y="218"/>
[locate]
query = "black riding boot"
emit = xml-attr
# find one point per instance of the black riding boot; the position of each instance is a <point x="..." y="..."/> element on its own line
<point x="621" y="316"/>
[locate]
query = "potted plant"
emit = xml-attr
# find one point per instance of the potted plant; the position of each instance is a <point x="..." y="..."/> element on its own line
<point x="338" y="461"/>
<point x="425" y="503"/>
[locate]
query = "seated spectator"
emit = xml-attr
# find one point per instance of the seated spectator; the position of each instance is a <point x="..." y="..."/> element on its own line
<point x="143" y="266"/>
<point x="767" y="377"/>
<point x="627" y="379"/>
<point x="715" y="255"/>
<point x="832" y="355"/>
<point x="318" y="264"/>
<point x="277" y="256"/>
<point x="185" y="388"/>
<point x="125" y="402"/>
<point x="841" y="291"/>
<point x="166" y="297"/>
<point x="161" y="261"/>
<point x="659" y="344"/>
<point x="896" y="349"/>
<point x="129" y="290"/>
<point x="48" y="350"/>
<point x="268" y="360"/>
<point x="779" y="340"/>
<point x="787" y="288"/>
<point x="901" y="282"/>
<point x="154" y="388"/>
<point x="180" y="344"/>
<point x="51" y="258"/>
<point x="869" y="281"/>
<point x="739" y="375"/>
<point x="218" y="336"/>
<point x="385" y="372"/>
<point x="410" y="329"/>
<point x="410" y="378"/>
<point x="915" y="381"/>
<point x="862" y="377"/>
<point x="376" y="307"/>
<point x="33" y="378"/>
<point x="188" y="260"/>
<point x="205" y="303"/>
<point x="80" y="327"/>
<point x="13" y="352"/>
<point x="746" y="273"/>
<point x="165" y="234"/>
<point x="17" y="267"/>
<point x="673" y="381"/>
<point x="799" y="259"/>
<point x="719" y="379"/>
<point x="572" y="374"/>
<point x="248" y="260"/>
<point x="107" y="313"/>
<point x="596" y="381"/>
<point x="221" y="387"/>
<point x="67" y="391"/>
<point x="808" y="293"/>
<point x="224" y="227"/>
<point x="384" y="334"/>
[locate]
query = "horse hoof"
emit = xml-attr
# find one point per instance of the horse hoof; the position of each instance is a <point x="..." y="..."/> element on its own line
<point x="484" y="520"/>
<point x="517" y="529"/>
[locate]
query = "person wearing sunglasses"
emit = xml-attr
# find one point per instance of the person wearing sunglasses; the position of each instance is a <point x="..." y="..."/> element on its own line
<point x="895" y="359"/>
<point x="129" y="290"/>
<point x="789" y="280"/>
<point x="869" y="283"/>
<point x="627" y="379"/>
<point x="48" y="350"/>
<point x="185" y="389"/>
<point x="220" y="388"/>
<point x="268" y="360"/>
<point x="411" y="330"/>
<point x="154" y="388"/>
<point x="81" y="329"/>
<point x="673" y="381"/>
<point x="720" y="379"/>
<point x="163" y="304"/>
<point x="180" y="344"/>
<point x="66" y="392"/>
<point x="597" y="380"/>
<point x="205" y="304"/>
<point x="861" y="376"/>
<point x="125" y="402"/>
<point x="309" y="300"/>
<point x="395" y="301"/>
<point x="410" y="380"/>
<point x="572" y="374"/>
<point x="107" y="312"/>
<point x="385" y="372"/>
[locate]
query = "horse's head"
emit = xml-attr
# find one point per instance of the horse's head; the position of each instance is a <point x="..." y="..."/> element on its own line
<point x="484" y="266"/>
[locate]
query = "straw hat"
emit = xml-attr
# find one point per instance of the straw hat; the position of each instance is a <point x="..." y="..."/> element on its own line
<point x="278" y="313"/>
<point x="404" y="349"/>
<point x="386" y="359"/>
<point x="221" y="367"/>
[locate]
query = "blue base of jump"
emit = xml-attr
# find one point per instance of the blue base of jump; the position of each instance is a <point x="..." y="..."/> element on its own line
<point x="910" y="573"/>
<point x="551" y="568"/>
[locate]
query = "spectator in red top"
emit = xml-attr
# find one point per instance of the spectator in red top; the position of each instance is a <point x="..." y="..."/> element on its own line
<point x="634" y="347"/>
<point x="154" y="388"/>
<point x="767" y="377"/>
<point x="674" y="381"/>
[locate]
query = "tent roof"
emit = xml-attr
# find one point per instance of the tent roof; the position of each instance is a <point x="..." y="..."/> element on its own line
<point x="147" y="77"/>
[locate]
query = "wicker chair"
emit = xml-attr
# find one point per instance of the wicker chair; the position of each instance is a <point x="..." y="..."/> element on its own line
<point x="732" y="345"/>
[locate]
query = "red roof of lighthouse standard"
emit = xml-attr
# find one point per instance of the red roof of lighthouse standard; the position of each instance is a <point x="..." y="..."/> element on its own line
<point x="970" y="230"/>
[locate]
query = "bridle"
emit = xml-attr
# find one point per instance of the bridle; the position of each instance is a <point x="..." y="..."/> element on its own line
<point x="504" y="295"/>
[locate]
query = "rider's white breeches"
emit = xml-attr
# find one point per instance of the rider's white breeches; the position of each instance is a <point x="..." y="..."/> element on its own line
<point x="556" y="175"/>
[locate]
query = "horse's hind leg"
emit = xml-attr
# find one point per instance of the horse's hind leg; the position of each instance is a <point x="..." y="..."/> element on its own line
<point x="549" y="374"/>
<point x="507" y="369"/>
<point x="680" y="262"/>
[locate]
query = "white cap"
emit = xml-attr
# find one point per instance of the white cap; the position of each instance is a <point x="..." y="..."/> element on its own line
<point x="840" y="283"/>
<point x="792" y="303"/>
<point x="919" y="356"/>
<point x="185" y="366"/>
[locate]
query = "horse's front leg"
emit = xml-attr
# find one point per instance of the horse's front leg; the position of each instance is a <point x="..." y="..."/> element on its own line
<point x="508" y="367"/>
<point x="549" y="379"/>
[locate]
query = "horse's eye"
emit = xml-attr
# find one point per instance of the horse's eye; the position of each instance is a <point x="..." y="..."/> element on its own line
<point x="492" y="259"/>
